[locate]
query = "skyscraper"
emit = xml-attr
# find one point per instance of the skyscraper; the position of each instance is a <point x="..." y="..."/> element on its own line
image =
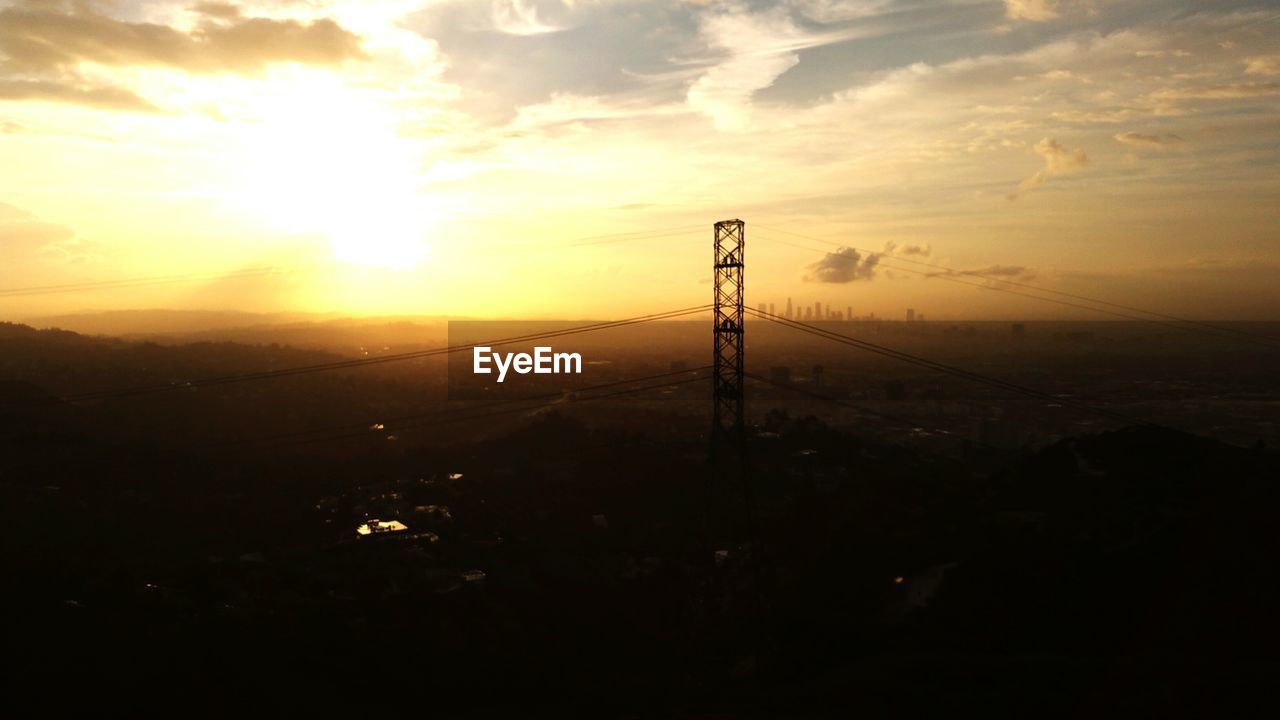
<point x="789" y="316"/>
<point x="911" y="314"/>
<point x="848" y="313"/>
<point x="817" y="311"/>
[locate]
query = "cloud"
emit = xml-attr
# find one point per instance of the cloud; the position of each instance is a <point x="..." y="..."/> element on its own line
<point x="842" y="266"/>
<point x="1167" y="101"/>
<point x="566" y="109"/>
<point x="1057" y="161"/>
<point x="46" y="38"/>
<point x="103" y="98"/>
<point x="220" y="10"/>
<point x="1006" y="272"/>
<point x="833" y="11"/>
<point x="72" y="251"/>
<point x="758" y="48"/>
<point x="1233" y="91"/>
<point x="759" y="53"/>
<point x="1263" y="65"/>
<point x="24" y="236"/>
<point x="996" y="273"/>
<point x="500" y="67"/>
<point x="519" y="17"/>
<point x="1089" y="117"/>
<point x="1033" y="10"/>
<point x="893" y="248"/>
<point x="1158" y="142"/>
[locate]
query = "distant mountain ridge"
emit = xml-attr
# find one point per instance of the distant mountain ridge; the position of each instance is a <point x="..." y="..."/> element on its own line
<point x="330" y="332"/>
<point x="142" y="322"/>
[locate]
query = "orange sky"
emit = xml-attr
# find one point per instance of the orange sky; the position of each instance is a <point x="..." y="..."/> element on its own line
<point x="485" y="158"/>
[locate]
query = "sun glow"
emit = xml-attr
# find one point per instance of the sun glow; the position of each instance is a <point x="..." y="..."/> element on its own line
<point x="324" y="158"/>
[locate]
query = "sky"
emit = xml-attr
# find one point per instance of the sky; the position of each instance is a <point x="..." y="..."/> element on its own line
<point x="567" y="158"/>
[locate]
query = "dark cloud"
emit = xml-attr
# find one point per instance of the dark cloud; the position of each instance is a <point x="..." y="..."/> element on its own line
<point x="630" y="53"/>
<point x="42" y="38"/>
<point x="888" y="35"/>
<point x="1019" y="273"/>
<point x="893" y="248"/>
<point x="842" y="266"/>
<point x="1006" y="272"/>
<point x="104" y="98"/>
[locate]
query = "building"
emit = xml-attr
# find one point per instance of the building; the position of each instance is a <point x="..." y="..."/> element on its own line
<point x="911" y="314"/>
<point x="817" y="311"/>
<point x="381" y="528"/>
<point x="789" y="315"/>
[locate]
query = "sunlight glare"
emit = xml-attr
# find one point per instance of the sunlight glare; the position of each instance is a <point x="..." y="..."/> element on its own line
<point x="325" y="158"/>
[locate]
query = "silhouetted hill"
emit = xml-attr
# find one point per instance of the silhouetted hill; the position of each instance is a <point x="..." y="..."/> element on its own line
<point x="136" y="322"/>
<point x="65" y="362"/>
<point x="1104" y="483"/>
<point x="207" y="536"/>
<point x="313" y="331"/>
<point x="1144" y="538"/>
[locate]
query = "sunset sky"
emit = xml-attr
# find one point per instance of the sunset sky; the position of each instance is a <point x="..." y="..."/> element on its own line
<point x="484" y="158"/>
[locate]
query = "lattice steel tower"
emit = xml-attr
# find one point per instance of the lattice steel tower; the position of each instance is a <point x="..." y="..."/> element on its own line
<point x="728" y="317"/>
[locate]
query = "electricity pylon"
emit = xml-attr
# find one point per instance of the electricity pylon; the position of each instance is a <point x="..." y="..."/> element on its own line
<point x="728" y="431"/>
<point x="728" y="317"/>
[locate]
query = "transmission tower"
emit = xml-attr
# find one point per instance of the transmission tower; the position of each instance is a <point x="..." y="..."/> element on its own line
<point x="728" y="317"/>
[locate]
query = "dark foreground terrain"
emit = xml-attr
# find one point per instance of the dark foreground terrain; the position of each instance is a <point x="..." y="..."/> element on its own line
<point x="195" y="550"/>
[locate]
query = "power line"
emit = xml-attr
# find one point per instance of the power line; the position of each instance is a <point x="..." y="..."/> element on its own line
<point x="944" y="368"/>
<point x="860" y="408"/>
<point x="428" y="419"/>
<point x="364" y="427"/>
<point x="881" y="263"/>
<point x="362" y="362"/>
<point x="345" y="432"/>
<point x="946" y="273"/>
